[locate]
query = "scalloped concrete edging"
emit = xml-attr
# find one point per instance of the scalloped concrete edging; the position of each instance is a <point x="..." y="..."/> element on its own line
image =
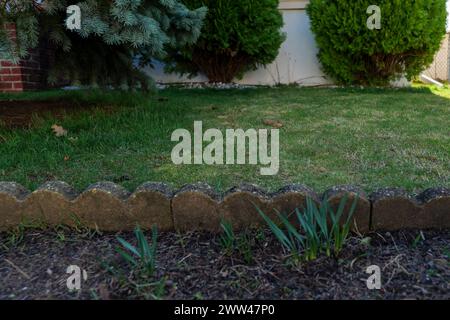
<point x="109" y="207"/>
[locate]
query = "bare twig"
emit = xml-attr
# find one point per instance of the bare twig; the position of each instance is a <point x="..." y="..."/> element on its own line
<point x="18" y="269"/>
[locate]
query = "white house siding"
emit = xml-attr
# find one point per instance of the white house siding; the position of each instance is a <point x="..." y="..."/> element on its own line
<point x="297" y="60"/>
<point x="296" y="63"/>
<point x="440" y="69"/>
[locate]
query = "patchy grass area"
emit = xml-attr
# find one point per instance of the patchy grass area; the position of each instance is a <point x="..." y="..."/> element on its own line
<point x="369" y="137"/>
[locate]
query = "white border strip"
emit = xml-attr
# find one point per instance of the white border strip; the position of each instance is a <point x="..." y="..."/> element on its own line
<point x="293" y="4"/>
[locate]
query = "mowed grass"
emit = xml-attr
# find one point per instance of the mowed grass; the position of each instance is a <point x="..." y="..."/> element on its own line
<point x="368" y="137"/>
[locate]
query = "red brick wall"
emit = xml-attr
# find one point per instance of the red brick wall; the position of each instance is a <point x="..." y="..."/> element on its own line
<point x="29" y="73"/>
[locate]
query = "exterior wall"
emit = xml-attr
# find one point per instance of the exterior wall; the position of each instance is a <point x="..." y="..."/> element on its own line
<point x="440" y="69"/>
<point x="296" y="63"/>
<point x="10" y="74"/>
<point x="29" y="73"/>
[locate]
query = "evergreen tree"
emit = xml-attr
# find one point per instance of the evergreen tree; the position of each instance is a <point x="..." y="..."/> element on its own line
<point x="409" y="35"/>
<point x="238" y="36"/>
<point x="116" y="37"/>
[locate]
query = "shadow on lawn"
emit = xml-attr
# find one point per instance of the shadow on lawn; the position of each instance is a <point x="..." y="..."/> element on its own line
<point x="21" y="110"/>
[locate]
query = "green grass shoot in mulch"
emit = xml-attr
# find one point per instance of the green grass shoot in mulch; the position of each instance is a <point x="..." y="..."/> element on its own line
<point x="369" y="137"/>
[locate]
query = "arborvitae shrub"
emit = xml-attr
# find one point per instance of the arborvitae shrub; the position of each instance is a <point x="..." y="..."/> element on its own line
<point x="410" y="35"/>
<point x="237" y="36"/>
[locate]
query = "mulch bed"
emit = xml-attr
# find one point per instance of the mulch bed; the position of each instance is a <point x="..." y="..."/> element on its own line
<point x="195" y="266"/>
<point x="21" y="113"/>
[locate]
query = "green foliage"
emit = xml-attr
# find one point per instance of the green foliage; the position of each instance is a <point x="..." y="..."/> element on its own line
<point x="143" y="256"/>
<point x="15" y="236"/>
<point x="418" y="240"/>
<point x="231" y="242"/>
<point x="237" y="36"/>
<point x="411" y="33"/>
<point x="244" y="247"/>
<point x="116" y="37"/>
<point x="321" y="229"/>
<point x="228" y="238"/>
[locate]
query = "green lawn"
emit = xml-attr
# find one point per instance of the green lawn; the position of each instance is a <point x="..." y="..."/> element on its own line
<point x="369" y="137"/>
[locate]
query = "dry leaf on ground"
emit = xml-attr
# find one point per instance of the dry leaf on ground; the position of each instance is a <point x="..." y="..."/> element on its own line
<point x="59" y="131"/>
<point x="273" y="123"/>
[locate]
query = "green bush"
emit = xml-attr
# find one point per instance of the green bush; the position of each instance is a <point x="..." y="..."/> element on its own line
<point x="321" y="229"/>
<point x="411" y="33"/>
<point x="143" y="256"/>
<point x="237" y="36"/>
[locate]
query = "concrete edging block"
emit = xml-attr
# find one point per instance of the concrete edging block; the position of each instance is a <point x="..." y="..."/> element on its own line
<point x="289" y="198"/>
<point x="110" y="207"/>
<point x="240" y="206"/>
<point x="361" y="217"/>
<point x="395" y="209"/>
<point x="51" y="204"/>
<point x="102" y="205"/>
<point x="150" y="205"/>
<point x="436" y="204"/>
<point x="11" y="196"/>
<point x="196" y="207"/>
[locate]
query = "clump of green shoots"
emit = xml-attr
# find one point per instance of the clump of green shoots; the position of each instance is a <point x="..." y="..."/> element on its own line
<point x="320" y="229"/>
<point x="142" y="259"/>
<point x="244" y="247"/>
<point x="143" y="255"/>
<point x="231" y="242"/>
<point x="228" y="238"/>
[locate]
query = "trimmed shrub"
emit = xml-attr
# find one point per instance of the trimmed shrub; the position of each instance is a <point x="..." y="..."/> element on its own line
<point x="237" y="36"/>
<point x="410" y="35"/>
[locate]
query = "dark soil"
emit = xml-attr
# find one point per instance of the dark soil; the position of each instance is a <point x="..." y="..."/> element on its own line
<point x="33" y="265"/>
<point x="21" y="113"/>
